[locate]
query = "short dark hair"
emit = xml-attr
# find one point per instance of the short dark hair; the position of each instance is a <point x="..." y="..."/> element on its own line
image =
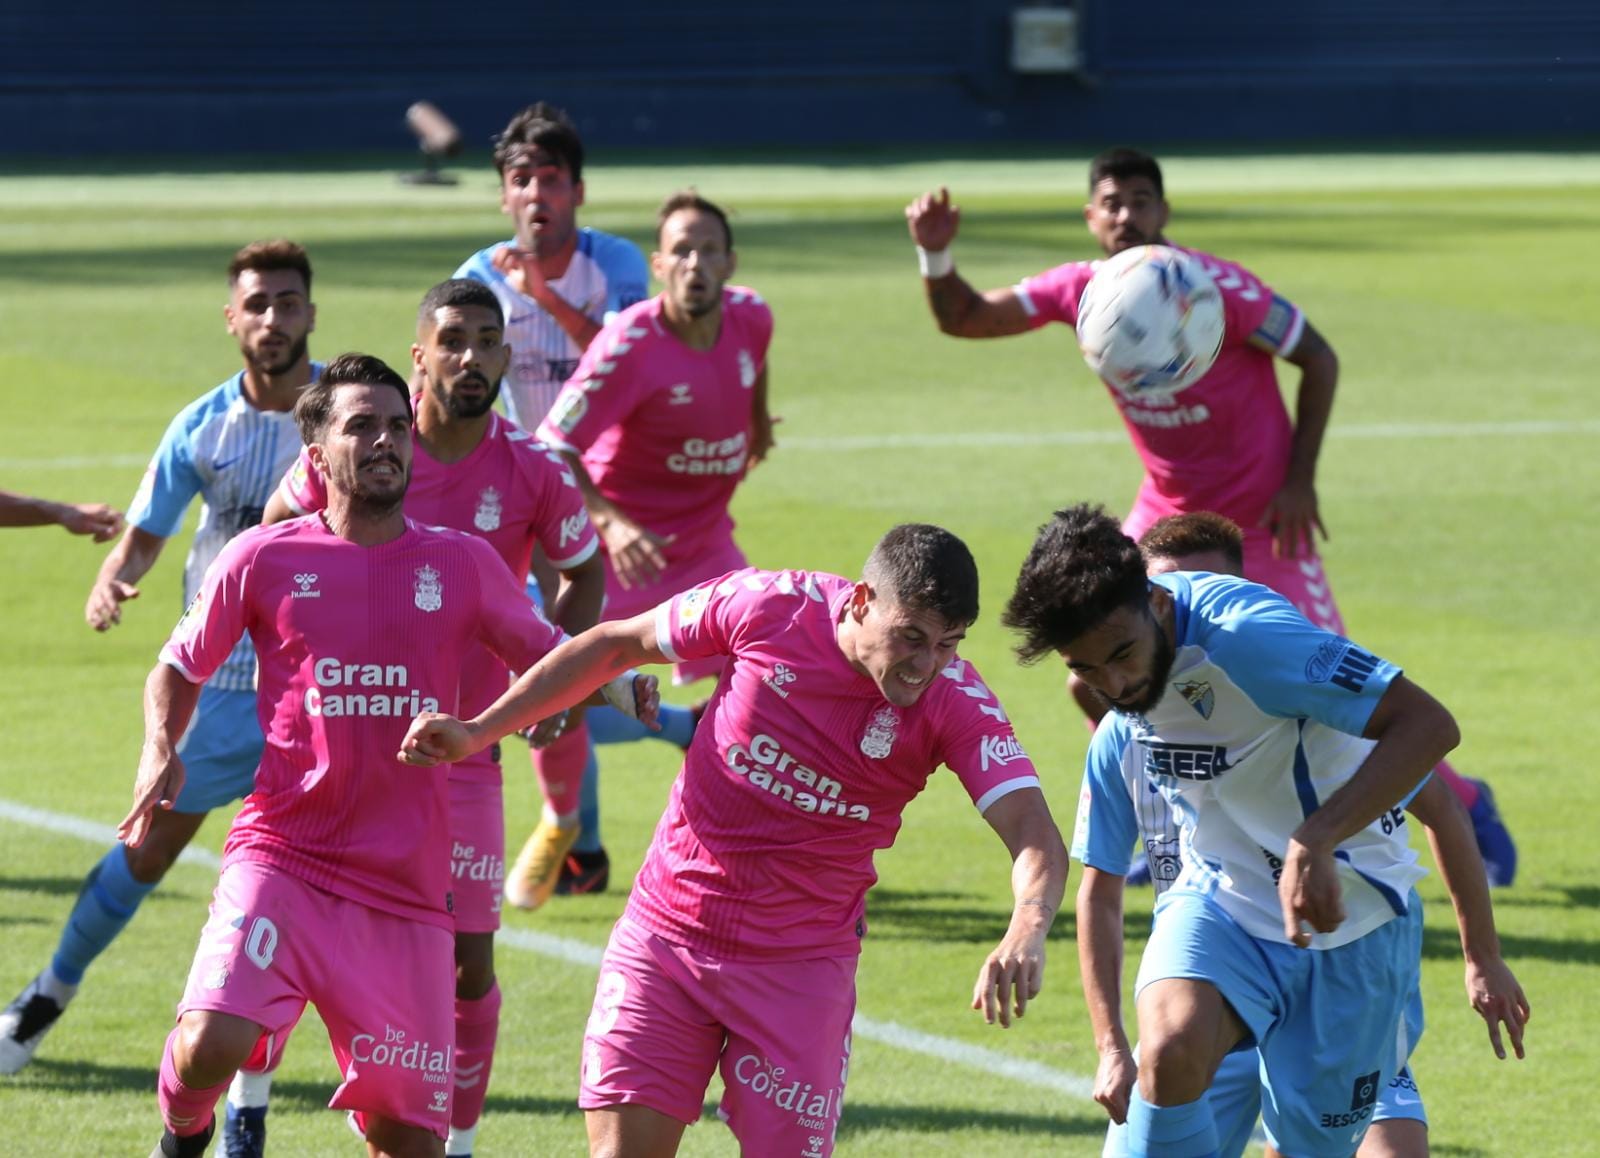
<point x="264" y="255"/>
<point x="1121" y="163"/>
<point x="690" y="199"/>
<point x="1190" y="534"/>
<point x="314" y="410"/>
<point x="459" y="292"/>
<point x="925" y="568"/>
<point x="1080" y="570"/>
<point x="547" y="128"/>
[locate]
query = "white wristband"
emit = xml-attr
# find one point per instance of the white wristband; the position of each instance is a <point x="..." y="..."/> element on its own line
<point x="619" y="694"/>
<point x="935" y="262"/>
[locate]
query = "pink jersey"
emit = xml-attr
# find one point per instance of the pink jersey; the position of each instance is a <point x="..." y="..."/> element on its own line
<point x="352" y="643"/>
<point x="664" y="430"/>
<point x="512" y="491"/>
<point x="1222" y="444"/>
<point x="799" y="772"/>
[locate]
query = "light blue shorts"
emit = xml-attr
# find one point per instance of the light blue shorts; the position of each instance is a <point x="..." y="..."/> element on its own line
<point x="220" y="751"/>
<point x="1330" y="1023"/>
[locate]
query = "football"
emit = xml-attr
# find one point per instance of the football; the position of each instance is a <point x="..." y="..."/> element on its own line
<point x="1150" y="321"/>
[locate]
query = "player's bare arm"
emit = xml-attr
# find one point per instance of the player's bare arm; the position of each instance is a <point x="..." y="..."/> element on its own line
<point x="95" y="519"/>
<point x="1100" y="953"/>
<point x="522" y="270"/>
<point x="1014" y="972"/>
<point x="580" y="594"/>
<point x="1492" y="989"/>
<point x="277" y="509"/>
<point x="594" y="667"/>
<point x="1293" y="515"/>
<point x="960" y="310"/>
<point x="1413" y="733"/>
<point x="169" y="703"/>
<point x="129" y="561"/>
<point x="762" y="421"/>
<point x="637" y="554"/>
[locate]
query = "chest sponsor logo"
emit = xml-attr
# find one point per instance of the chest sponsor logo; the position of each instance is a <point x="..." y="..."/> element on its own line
<point x="364" y="689"/>
<point x="747" y="369"/>
<point x="878" y="740"/>
<point x="1198" y="696"/>
<point x="999" y="751"/>
<point x="701" y="456"/>
<point x="573" y="527"/>
<point x="1146" y="414"/>
<point x="307" y="582"/>
<point x="781" y="675"/>
<point x="813" y="1109"/>
<point x="1341" y="663"/>
<point x="680" y="395"/>
<point x="393" y="1050"/>
<point x="1185" y="761"/>
<point x="765" y="764"/>
<point x="428" y="591"/>
<point x="487" y="517"/>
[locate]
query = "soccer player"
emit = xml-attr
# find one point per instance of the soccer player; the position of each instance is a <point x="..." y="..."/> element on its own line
<point x="738" y="947"/>
<point x="1251" y="722"/>
<point x="338" y="866"/>
<point x="95" y="519"/>
<point x="557" y="284"/>
<point x="1227" y="443"/>
<point x="230" y="447"/>
<point x="662" y="418"/>
<point x="476" y="472"/>
<point x="1119" y="805"/>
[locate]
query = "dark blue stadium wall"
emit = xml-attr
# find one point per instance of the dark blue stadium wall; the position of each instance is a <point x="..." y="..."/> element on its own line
<point x="107" y="76"/>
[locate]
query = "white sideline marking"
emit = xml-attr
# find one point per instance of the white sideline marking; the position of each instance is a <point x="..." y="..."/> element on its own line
<point x="987" y="439"/>
<point x="944" y="1049"/>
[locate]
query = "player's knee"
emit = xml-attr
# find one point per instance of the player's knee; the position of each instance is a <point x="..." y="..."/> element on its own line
<point x="474" y="966"/>
<point x="149" y="862"/>
<point x="207" y="1054"/>
<point x="393" y="1139"/>
<point x="1173" y="1070"/>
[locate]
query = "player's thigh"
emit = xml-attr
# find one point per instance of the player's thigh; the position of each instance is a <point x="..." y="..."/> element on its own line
<point x="220" y="751"/>
<point x="632" y="1132"/>
<point x="1341" y="1040"/>
<point x="788" y="1054"/>
<point x="169" y="834"/>
<point x="651" y="1039"/>
<point x="389" y="1005"/>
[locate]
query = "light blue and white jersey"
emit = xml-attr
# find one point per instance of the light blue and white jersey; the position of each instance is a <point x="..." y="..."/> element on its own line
<point x="1119" y="805"/>
<point x="232" y="455"/>
<point x="1261" y="722"/>
<point x="606" y="275"/>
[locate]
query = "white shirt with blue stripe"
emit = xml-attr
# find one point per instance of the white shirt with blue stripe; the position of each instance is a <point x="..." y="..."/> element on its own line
<point x="606" y="275"/>
<point x="1261" y="722"/>
<point x="1119" y="805"/>
<point x="232" y="455"/>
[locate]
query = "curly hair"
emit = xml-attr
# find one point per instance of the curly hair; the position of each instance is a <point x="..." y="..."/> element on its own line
<point x="1080" y="570"/>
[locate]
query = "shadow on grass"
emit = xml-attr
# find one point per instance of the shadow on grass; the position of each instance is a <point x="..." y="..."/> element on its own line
<point x="912" y="915"/>
<point x="1443" y="943"/>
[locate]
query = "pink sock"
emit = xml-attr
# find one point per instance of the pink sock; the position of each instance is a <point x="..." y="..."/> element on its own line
<point x="477" y="1026"/>
<point x="1457" y="783"/>
<point x="185" y="1111"/>
<point x="560" y="770"/>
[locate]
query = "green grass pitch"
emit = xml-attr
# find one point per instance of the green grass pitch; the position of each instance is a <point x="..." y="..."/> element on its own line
<point x="1458" y="481"/>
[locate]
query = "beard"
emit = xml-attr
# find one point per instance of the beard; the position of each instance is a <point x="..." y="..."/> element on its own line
<point x="1161" y="660"/>
<point x="459" y="407"/>
<point x="369" y="501"/>
<point x="273" y="363"/>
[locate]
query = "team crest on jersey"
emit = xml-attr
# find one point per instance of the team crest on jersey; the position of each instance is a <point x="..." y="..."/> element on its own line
<point x="487" y="516"/>
<point x="1199" y="696"/>
<point x="429" y="591"/>
<point x="878" y="739"/>
<point x="747" y="369"/>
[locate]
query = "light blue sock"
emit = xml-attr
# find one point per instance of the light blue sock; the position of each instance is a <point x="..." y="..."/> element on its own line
<point x="107" y="903"/>
<point x="609" y="726"/>
<point x="1185" y="1131"/>
<point x="589" y="797"/>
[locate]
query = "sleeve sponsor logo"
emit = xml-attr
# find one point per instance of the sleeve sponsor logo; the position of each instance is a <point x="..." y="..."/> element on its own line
<point x="999" y="751"/>
<point x="573" y="528"/>
<point x="1342" y="663"/>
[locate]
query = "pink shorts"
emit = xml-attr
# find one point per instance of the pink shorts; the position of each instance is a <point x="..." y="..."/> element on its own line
<point x="666" y="1016"/>
<point x="477" y="854"/>
<point x="383" y="984"/>
<point x="715" y="559"/>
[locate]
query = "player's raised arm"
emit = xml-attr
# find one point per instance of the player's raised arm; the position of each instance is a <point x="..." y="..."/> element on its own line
<point x="960" y="310"/>
<point x="1492" y="988"/>
<point x="95" y="519"/>
<point x="600" y="660"/>
<point x="1014" y="972"/>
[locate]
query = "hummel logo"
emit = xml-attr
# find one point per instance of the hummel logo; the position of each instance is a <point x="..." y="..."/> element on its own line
<point x="680" y="395"/>
<point x="307" y="582"/>
<point x="780" y="675"/>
